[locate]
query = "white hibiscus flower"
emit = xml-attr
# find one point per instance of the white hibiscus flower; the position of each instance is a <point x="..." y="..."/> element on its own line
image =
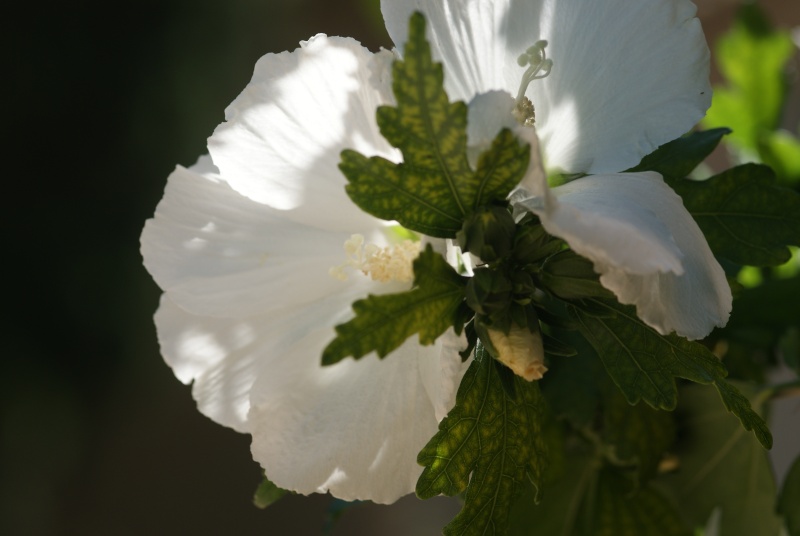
<point x="243" y="247"/>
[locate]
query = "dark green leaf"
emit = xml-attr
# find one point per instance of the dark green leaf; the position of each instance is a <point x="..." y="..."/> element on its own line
<point x="789" y="501"/>
<point x="744" y="215"/>
<point x="489" y="445"/>
<point x="570" y="276"/>
<point x="639" y="435"/>
<point x="739" y="405"/>
<point x="678" y="158"/>
<point x="571" y="385"/>
<point x="267" y="494"/>
<point x="644" y="513"/>
<point x="382" y="323"/>
<point x="644" y="364"/>
<point x="587" y="499"/>
<point x="772" y="304"/>
<point x="434" y="189"/>
<point x="721" y="466"/>
<point x="641" y="362"/>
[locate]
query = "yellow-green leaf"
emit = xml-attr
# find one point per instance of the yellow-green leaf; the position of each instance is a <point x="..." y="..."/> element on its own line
<point x="434" y="188"/>
<point x="489" y="445"/>
<point x="382" y="323"/>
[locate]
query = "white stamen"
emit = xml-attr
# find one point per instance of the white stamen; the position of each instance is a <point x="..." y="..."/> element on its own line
<point x="539" y="66"/>
<point x="392" y="263"/>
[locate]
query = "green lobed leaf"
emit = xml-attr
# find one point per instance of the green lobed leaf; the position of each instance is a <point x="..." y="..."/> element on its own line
<point x="572" y="386"/>
<point x="645" y="513"/>
<point x="790" y="499"/>
<point x="434" y="189"/>
<point x="744" y="215"/>
<point x="564" y="509"/>
<point x="641" y="362"/>
<point x="639" y="435"/>
<point x="678" y="158"/>
<point x="722" y="467"/>
<point x="589" y="499"/>
<point x="382" y="323"/>
<point x="739" y="405"/>
<point x="499" y="170"/>
<point x="489" y="445"/>
<point x="644" y="364"/>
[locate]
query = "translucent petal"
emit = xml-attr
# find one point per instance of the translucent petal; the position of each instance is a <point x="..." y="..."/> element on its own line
<point x="646" y="247"/>
<point x="219" y="253"/>
<point x="222" y="356"/>
<point x="355" y="428"/>
<point x="626" y="77"/>
<point x="281" y="142"/>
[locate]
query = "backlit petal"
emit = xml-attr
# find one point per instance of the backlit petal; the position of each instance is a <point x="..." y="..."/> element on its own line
<point x="626" y="77"/>
<point x="646" y="247"/>
<point x="281" y="142"/>
<point x="219" y="253"/>
<point x="355" y="428"/>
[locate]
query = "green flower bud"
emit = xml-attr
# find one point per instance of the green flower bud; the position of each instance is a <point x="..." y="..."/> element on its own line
<point x="489" y="291"/>
<point x="532" y="243"/>
<point x="488" y="233"/>
<point x="570" y="276"/>
<point x="522" y="287"/>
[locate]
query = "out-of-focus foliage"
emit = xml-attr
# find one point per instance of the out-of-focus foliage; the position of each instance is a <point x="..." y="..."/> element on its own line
<point x="753" y="58"/>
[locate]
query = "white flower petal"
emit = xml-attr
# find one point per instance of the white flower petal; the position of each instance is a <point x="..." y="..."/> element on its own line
<point x="355" y="428"/>
<point x="222" y="356"/>
<point x="626" y="77"/>
<point x="219" y="253"/>
<point x="646" y="246"/>
<point x="281" y="143"/>
<point x="465" y="36"/>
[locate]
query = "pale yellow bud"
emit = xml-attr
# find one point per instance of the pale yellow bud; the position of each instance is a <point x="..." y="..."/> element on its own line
<point x="521" y="351"/>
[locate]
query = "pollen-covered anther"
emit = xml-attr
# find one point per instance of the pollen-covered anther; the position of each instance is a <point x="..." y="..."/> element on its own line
<point x="539" y="66"/>
<point x="391" y="263"/>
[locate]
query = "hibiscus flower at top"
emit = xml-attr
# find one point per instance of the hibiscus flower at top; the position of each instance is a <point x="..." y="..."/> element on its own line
<point x="258" y="248"/>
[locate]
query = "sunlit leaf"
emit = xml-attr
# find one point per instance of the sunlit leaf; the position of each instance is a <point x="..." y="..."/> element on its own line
<point x="488" y="446"/>
<point x="382" y="323"/>
<point x="434" y="189"/>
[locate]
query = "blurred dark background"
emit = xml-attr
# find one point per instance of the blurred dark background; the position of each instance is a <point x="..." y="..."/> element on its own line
<point x="96" y="435"/>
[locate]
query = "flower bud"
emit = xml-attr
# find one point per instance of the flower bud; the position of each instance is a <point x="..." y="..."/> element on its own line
<point x="521" y="350"/>
<point x="570" y="276"/>
<point x="532" y="243"/>
<point x="488" y="291"/>
<point x="488" y="233"/>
